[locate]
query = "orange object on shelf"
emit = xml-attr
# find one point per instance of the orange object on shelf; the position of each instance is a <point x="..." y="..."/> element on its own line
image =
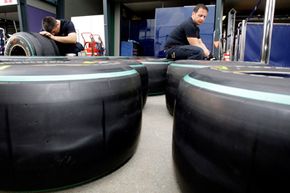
<point x="89" y="43"/>
<point x="100" y="50"/>
<point x="92" y="43"/>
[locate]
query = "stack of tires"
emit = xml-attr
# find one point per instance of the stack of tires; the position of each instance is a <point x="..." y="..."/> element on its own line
<point x="63" y="125"/>
<point x="231" y="130"/>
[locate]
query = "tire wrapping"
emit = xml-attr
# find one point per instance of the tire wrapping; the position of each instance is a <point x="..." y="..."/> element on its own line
<point x="66" y="125"/>
<point x="223" y="142"/>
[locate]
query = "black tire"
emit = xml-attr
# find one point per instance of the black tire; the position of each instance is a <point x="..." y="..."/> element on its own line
<point x="179" y="68"/>
<point x="156" y="75"/>
<point x="62" y="60"/>
<point x="30" y="44"/>
<point x="66" y="125"/>
<point x="231" y="130"/>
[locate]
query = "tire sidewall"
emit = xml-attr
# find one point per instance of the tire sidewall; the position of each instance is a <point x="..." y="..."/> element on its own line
<point x="19" y="40"/>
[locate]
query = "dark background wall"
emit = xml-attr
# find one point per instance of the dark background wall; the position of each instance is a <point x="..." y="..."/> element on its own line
<point x="82" y="8"/>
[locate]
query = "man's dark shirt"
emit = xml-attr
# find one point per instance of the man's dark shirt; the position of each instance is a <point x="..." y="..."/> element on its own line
<point x="66" y="27"/>
<point x="180" y="34"/>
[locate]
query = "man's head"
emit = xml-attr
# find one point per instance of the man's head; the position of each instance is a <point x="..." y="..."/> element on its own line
<point x="50" y="25"/>
<point x="199" y="14"/>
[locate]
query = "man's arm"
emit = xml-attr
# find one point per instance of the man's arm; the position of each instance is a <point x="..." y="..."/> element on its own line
<point x="71" y="38"/>
<point x="198" y="42"/>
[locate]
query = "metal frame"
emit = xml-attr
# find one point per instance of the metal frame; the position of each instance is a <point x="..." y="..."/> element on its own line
<point x="21" y="8"/>
<point x="267" y="32"/>
<point x="106" y="21"/>
<point x="218" y="28"/>
<point x="237" y="42"/>
<point x="242" y="41"/>
<point x="231" y="32"/>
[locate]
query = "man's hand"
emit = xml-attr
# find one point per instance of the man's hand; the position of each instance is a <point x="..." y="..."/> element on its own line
<point x="206" y="52"/>
<point x="199" y="43"/>
<point x="47" y="34"/>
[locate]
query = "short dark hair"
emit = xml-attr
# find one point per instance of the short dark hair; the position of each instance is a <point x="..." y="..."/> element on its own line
<point x="199" y="6"/>
<point x="48" y="23"/>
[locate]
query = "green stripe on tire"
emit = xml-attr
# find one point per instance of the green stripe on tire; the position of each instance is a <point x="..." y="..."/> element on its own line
<point x="66" y="77"/>
<point x="239" y="92"/>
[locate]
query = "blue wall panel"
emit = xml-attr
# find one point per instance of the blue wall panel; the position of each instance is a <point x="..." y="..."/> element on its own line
<point x="280" y="48"/>
<point x="34" y="18"/>
<point x="126" y="48"/>
<point x="166" y="19"/>
<point x="142" y="31"/>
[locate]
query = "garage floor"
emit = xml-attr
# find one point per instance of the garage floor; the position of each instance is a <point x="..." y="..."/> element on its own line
<point x="151" y="169"/>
